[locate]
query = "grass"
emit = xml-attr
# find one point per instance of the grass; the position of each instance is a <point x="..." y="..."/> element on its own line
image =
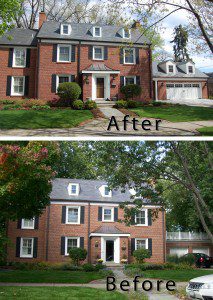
<point x="176" y="113"/>
<point x="206" y="131"/>
<point x="30" y="119"/>
<point x="64" y="293"/>
<point x="49" y="276"/>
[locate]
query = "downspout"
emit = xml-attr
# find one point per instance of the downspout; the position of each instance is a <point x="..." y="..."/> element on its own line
<point x="79" y="76"/>
<point x="151" y="77"/>
<point x="89" y="242"/>
<point x="164" y="235"/>
<point x="37" y="71"/>
<point x="156" y="90"/>
<point x="47" y="232"/>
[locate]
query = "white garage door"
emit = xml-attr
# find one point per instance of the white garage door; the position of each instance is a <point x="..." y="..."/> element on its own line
<point x="204" y="250"/>
<point x="183" y="91"/>
<point x="178" y="251"/>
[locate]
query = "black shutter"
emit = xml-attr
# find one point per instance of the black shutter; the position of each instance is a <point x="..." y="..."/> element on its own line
<point x="82" y="242"/>
<point x="115" y="214"/>
<point x="10" y="58"/>
<point x="82" y="214"/>
<point x="105" y="52"/>
<point x="54" y="57"/>
<point x="18" y="243"/>
<point x="90" y="52"/>
<point x="35" y="247"/>
<point x="99" y="213"/>
<point x="121" y="81"/>
<point x="138" y="80"/>
<point x="72" y="78"/>
<point x="63" y="245"/>
<point x="36" y="222"/>
<point x="73" y="53"/>
<point x="28" y="58"/>
<point x="8" y="91"/>
<point x="133" y="219"/>
<point x="63" y="216"/>
<point x="150" y="246"/>
<point x="149" y="217"/>
<point x="137" y="59"/>
<point x="19" y="224"/>
<point x="53" y="84"/>
<point x="26" y="89"/>
<point x="132" y="246"/>
<point x="121" y="56"/>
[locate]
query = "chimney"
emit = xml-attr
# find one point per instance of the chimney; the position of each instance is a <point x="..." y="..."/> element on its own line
<point x="136" y="24"/>
<point x="42" y="18"/>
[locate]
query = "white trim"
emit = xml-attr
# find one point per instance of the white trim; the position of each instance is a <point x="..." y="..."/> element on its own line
<point x="79" y="214"/>
<point x="100" y="72"/>
<point x="116" y="253"/>
<point x="69" y="188"/>
<point x="105" y="204"/>
<point x="62" y="29"/>
<point x="61" y="75"/>
<point x="21" y="246"/>
<point x="112" y="214"/>
<point x="12" y="93"/>
<point x="129" y="77"/>
<point x="124" y="56"/>
<point x="109" y="234"/>
<point x="179" y="79"/>
<point x="31" y="227"/>
<point x="68" y="203"/>
<point x="141" y="239"/>
<point x="93" y="52"/>
<point x="71" y="237"/>
<point x="58" y="53"/>
<point x="146" y="218"/>
<point x="25" y="57"/>
<point x="106" y="85"/>
<point x="102" y="191"/>
<point x="156" y="89"/>
<point x="93" y="31"/>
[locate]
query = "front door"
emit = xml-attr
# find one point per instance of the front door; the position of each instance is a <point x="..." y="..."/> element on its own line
<point x="100" y="88"/>
<point x="109" y="250"/>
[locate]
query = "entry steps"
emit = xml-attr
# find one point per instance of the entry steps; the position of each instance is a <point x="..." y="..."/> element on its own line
<point x="102" y="103"/>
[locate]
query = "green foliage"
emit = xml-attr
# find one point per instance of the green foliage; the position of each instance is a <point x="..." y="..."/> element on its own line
<point x="69" y="92"/>
<point x="78" y="105"/>
<point x="133" y="104"/>
<point x="121" y="104"/>
<point x="9" y="11"/>
<point x="90" y="105"/>
<point x="77" y="255"/>
<point x="180" y="44"/>
<point x="141" y="254"/>
<point x="172" y="258"/>
<point x="41" y="107"/>
<point x="6" y="102"/>
<point x="187" y="259"/>
<point x="131" y="90"/>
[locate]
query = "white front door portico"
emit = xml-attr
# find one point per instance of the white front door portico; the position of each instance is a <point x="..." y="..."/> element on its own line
<point x="96" y="90"/>
<point x="110" y="249"/>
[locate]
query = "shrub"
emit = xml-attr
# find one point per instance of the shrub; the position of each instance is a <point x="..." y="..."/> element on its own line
<point x="77" y="255"/>
<point x="69" y="92"/>
<point x="145" y="267"/>
<point x="133" y="104"/>
<point x="78" y="104"/>
<point x="131" y="90"/>
<point x="172" y="258"/>
<point x="32" y="102"/>
<point x="187" y="259"/>
<point x="99" y="267"/>
<point x="88" y="268"/>
<point x="40" y="107"/>
<point x="6" y="102"/>
<point x="121" y="104"/>
<point x="154" y="103"/>
<point x="141" y="254"/>
<point x="90" y="105"/>
<point x="11" y="106"/>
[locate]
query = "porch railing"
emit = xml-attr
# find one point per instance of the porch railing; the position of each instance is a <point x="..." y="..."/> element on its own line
<point x="181" y="236"/>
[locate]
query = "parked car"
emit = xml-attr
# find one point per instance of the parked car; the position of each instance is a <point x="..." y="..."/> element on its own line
<point x="200" y="288"/>
<point x="201" y="260"/>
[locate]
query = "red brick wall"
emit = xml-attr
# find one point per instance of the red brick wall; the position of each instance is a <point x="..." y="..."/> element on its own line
<point x="190" y="245"/>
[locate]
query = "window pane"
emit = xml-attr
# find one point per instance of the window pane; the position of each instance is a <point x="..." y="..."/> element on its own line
<point x="107" y="214"/>
<point x="129" y="56"/>
<point x="140" y="217"/>
<point x="28" y="223"/>
<point x="73" y="215"/>
<point x="65" y="29"/>
<point x="64" y="54"/>
<point x="106" y="191"/>
<point x="18" y="85"/>
<point x="63" y="79"/>
<point x="97" y="31"/>
<point x="71" y="243"/>
<point x="190" y="69"/>
<point x="73" y="189"/>
<point x="27" y="247"/>
<point x="140" y="244"/>
<point x="171" y="69"/>
<point x="19" y="57"/>
<point x="98" y="53"/>
<point x="130" y="80"/>
<point x="126" y="33"/>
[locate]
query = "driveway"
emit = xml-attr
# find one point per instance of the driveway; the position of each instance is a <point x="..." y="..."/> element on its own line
<point x="192" y="102"/>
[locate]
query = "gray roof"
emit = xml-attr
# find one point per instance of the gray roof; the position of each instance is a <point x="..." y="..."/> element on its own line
<point x="89" y="191"/>
<point x="159" y="72"/>
<point x="83" y="32"/>
<point x="19" y="37"/>
<point x="107" y="229"/>
<point x="98" y="67"/>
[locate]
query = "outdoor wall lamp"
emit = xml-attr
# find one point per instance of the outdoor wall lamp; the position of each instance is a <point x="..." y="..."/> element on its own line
<point x="96" y="244"/>
<point x="113" y="77"/>
<point x="87" y="79"/>
<point x="162" y="84"/>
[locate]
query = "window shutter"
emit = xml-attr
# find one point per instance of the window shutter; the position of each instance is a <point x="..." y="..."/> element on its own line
<point x="121" y="81"/>
<point x="105" y="53"/>
<point x="115" y="214"/>
<point x="99" y="213"/>
<point x="72" y="78"/>
<point x="90" y="52"/>
<point x="18" y="244"/>
<point x="149" y="217"/>
<point x="35" y="247"/>
<point x="36" y="222"/>
<point x="53" y="84"/>
<point x="54" y="58"/>
<point x="26" y="89"/>
<point x="82" y="214"/>
<point x="150" y="246"/>
<point x="10" y="58"/>
<point x="138" y="80"/>
<point x="63" y="245"/>
<point x="73" y="53"/>
<point x="63" y="216"/>
<point x="82" y="242"/>
<point x="137" y="59"/>
<point x="132" y="246"/>
<point x="121" y="56"/>
<point x="133" y="219"/>
<point x="19" y="224"/>
<point x="8" y="91"/>
<point x="28" y="58"/>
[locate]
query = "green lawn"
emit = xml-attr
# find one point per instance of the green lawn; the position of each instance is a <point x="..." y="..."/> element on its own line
<point x="206" y="131"/>
<point x="64" y="293"/>
<point x="175" y="113"/>
<point x="31" y="119"/>
<point x="49" y="276"/>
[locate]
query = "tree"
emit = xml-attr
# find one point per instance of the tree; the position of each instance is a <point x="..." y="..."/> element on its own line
<point x="180" y="44"/>
<point x="77" y="255"/>
<point x="141" y="254"/>
<point x="9" y="9"/>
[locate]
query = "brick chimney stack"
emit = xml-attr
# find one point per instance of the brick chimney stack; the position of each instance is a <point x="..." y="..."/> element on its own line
<point x="42" y="18"/>
<point x="136" y="24"/>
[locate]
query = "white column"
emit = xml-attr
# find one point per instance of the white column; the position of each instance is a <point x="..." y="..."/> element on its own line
<point x="156" y="90"/>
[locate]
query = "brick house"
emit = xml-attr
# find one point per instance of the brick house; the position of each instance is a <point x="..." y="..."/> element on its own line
<point x="85" y="213"/>
<point x="100" y="58"/>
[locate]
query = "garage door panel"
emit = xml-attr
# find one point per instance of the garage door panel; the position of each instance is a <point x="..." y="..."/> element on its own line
<point x="178" y="251"/>
<point x="204" y="250"/>
<point x="183" y="91"/>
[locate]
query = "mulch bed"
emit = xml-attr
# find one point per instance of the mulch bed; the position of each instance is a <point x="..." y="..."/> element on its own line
<point x="127" y="112"/>
<point x="97" y="113"/>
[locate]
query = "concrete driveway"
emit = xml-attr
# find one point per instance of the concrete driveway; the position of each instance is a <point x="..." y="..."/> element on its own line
<point x="192" y="102"/>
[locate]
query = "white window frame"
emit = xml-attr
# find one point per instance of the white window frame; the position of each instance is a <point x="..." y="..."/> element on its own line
<point x="94" y="31"/>
<point x="79" y="214"/>
<point x="141" y="239"/>
<point x="12" y="86"/>
<point x="192" y="69"/>
<point x="14" y="56"/>
<point x="69" y="29"/>
<point x="24" y="227"/>
<point x="112" y="214"/>
<point x="129" y="77"/>
<point x="124" y="29"/>
<point x="61" y="75"/>
<point x="93" y="54"/>
<point x="58" y="53"/>
<point x="66" y="242"/>
<point x="134" y="58"/>
<point x="110" y="192"/>
<point x="70" y="189"/>
<point x="21" y="246"/>
<point x="146" y="218"/>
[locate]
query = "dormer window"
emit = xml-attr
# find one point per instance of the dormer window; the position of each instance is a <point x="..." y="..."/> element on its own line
<point x="73" y="189"/>
<point x="105" y="191"/>
<point x="126" y="33"/>
<point x="97" y="32"/>
<point x="191" y="69"/>
<point x="65" y="29"/>
<point x="171" y="69"/>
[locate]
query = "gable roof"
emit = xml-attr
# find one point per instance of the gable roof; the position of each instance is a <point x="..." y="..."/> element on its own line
<point x="20" y="37"/>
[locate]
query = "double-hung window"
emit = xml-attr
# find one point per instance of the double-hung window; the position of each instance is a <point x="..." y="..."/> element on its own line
<point x="171" y="69"/>
<point x="98" y="53"/>
<point x="18" y="85"/>
<point x="62" y="79"/>
<point x="28" y="223"/>
<point x="108" y="214"/>
<point x="126" y="33"/>
<point x="73" y="189"/>
<point x="141" y="244"/>
<point x="129" y="80"/>
<point x="19" y="57"/>
<point x="71" y="243"/>
<point x="129" y="56"/>
<point x="97" y="31"/>
<point x="73" y="215"/>
<point x="190" y="68"/>
<point x="26" y="247"/>
<point x="64" y="53"/>
<point x="141" y="218"/>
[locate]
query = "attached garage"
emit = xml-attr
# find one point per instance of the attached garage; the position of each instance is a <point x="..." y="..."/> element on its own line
<point x="178" y="251"/>
<point x="178" y="91"/>
<point x="204" y="250"/>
